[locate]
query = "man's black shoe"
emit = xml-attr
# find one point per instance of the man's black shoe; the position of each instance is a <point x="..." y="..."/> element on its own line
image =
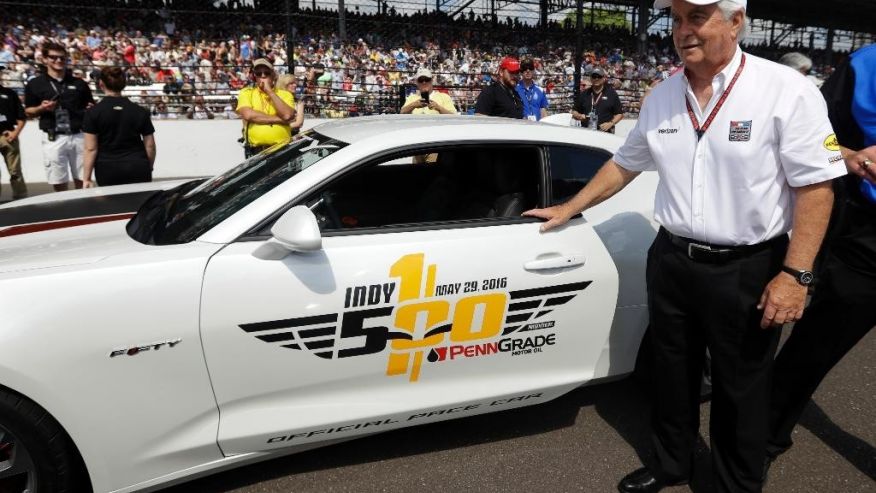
<point x="643" y="481"/>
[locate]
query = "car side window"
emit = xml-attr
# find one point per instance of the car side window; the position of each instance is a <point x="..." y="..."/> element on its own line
<point x="571" y="168"/>
<point x="432" y="186"/>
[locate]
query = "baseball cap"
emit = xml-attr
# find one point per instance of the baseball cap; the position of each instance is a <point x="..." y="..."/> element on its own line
<point x="598" y="71"/>
<point x="262" y="62"/>
<point x="664" y="4"/>
<point x="510" y="64"/>
<point x="423" y="72"/>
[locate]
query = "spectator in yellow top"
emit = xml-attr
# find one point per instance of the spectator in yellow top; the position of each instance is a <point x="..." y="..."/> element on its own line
<point x="427" y="101"/>
<point x="265" y="110"/>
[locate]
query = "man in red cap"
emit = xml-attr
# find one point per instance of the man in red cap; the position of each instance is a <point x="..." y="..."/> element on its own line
<point x="501" y="98"/>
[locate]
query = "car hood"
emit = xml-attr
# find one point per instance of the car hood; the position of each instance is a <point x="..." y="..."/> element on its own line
<point x="67" y="246"/>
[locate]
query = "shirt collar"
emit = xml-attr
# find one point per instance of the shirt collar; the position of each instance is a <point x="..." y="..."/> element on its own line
<point x="719" y="85"/>
<point x="727" y="73"/>
<point x="523" y="86"/>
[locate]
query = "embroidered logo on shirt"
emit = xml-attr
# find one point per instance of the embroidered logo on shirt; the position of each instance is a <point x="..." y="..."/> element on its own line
<point x="740" y="131"/>
<point x="831" y="143"/>
<point x="667" y="130"/>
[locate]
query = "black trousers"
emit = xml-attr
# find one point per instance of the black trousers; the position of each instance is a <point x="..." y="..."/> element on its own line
<point x="840" y="314"/>
<point x="122" y="172"/>
<point x="693" y="306"/>
<point x="250" y="151"/>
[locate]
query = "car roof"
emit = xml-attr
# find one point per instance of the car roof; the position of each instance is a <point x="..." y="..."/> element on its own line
<point x="351" y="130"/>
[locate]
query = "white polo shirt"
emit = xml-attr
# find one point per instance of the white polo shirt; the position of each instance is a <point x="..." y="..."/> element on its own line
<point x="734" y="185"/>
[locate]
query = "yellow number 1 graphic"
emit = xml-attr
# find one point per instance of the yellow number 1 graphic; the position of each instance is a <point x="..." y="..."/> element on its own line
<point x="409" y="270"/>
<point x="431" y="314"/>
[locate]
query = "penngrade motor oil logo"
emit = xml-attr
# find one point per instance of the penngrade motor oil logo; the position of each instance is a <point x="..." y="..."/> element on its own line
<point x="413" y="316"/>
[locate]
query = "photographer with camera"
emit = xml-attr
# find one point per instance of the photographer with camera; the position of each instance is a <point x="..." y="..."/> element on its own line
<point x="265" y="109"/>
<point x="427" y="101"/>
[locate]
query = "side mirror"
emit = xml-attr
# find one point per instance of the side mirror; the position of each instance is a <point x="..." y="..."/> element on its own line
<point x="297" y="230"/>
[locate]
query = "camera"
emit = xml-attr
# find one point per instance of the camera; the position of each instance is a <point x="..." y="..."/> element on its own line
<point x="424" y="95"/>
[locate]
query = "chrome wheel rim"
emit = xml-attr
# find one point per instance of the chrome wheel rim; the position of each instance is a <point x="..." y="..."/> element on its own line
<point x="17" y="469"/>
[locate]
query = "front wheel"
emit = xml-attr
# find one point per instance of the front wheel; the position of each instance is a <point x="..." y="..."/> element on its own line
<point x="36" y="455"/>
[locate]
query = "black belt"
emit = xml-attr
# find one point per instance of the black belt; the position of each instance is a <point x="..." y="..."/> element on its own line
<point x="701" y="251"/>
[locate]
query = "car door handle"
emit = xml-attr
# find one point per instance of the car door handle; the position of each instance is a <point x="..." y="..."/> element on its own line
<point x="558" y="262"/>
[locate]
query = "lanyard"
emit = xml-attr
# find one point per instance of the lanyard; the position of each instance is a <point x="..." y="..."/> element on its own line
<point x="693" y="119"/>
<point x="595" y="101"/>
<point x="54" y="87"/>
<point x="529" y="92"/>
<point x="529" y="110"/>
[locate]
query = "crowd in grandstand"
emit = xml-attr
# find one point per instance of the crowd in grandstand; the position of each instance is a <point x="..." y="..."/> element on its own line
<point x="172" y="56"/>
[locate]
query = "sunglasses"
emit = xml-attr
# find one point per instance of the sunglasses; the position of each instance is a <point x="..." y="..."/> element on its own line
<point x="57" y="57"/>
<point x="262" y="73"/>
<point x="595" y="76"/>
<point x="424" y="79"/>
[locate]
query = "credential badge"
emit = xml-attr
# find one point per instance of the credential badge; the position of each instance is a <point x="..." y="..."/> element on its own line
<point x="740" y="131"/>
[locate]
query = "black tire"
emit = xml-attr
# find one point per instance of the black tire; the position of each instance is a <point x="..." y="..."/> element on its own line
<point x="54" y="465"/>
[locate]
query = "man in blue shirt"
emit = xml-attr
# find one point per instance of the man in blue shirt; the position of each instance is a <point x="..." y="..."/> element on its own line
<point x="535" y="103"/>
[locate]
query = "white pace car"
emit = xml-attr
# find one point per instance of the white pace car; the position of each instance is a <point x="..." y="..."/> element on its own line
<point x="375" y="273"/>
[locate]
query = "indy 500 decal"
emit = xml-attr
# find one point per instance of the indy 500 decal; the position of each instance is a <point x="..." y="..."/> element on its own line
<point x="413" y="318"/>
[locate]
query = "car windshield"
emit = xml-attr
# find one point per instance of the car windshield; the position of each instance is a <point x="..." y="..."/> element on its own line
<point x="186" y="212"/>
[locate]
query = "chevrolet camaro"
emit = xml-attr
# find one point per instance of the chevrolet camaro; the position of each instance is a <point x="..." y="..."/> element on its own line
<point x="371" y="274"/>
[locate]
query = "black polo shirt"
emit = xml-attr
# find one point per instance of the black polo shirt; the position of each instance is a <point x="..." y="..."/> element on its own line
<point x="607" y="106"/>
<point x="73" y="95"/>
<point x="120" y="126"/>
<point x="499" y="100"/>
<point x="11" y="109"/>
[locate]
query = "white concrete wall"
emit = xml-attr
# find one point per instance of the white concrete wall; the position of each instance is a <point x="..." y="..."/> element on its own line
<point x="185" y="148"/>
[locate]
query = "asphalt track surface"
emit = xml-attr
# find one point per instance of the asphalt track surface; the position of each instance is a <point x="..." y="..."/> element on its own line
<point x="584" y="441"/>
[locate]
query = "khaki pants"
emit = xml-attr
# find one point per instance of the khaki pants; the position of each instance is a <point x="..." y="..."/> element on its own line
<point x="12" y="154"/>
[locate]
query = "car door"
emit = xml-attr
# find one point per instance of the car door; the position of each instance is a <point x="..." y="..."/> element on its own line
<point x="429" y="299"/>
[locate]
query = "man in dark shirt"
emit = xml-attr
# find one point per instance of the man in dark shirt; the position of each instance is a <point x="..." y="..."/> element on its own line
<point x="841" y="312"/>
<point x="601" y="99"/>
<point x="60" y="101"/>
<point x="12" y="120"/>
<point x="501" y="98"/>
